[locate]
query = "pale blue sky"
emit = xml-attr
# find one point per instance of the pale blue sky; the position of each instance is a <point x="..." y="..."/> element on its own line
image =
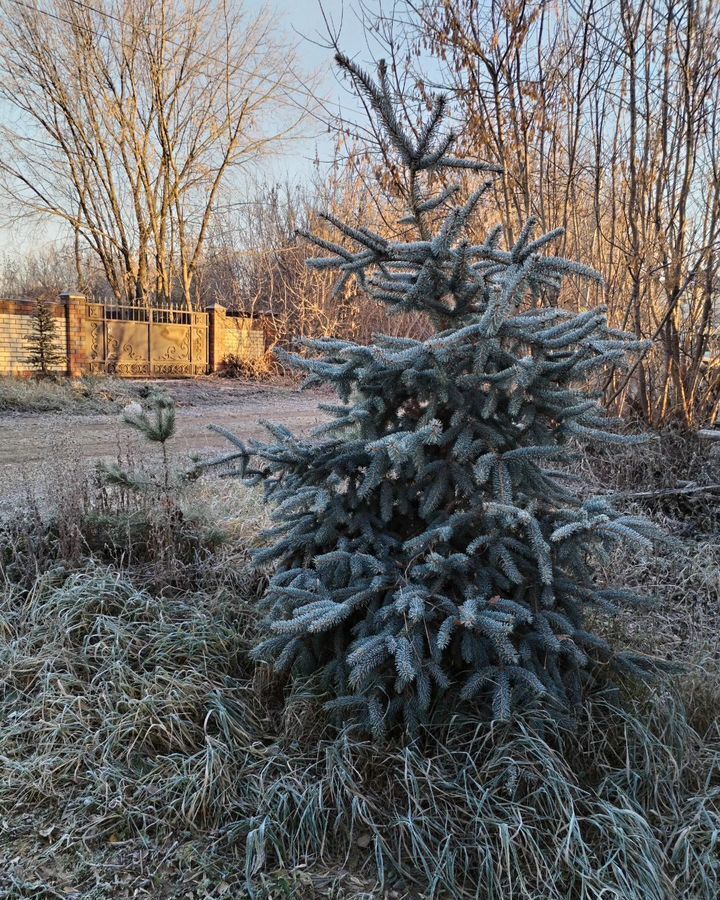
<point x="301" y="23"/>
<point x="304" y="24"/>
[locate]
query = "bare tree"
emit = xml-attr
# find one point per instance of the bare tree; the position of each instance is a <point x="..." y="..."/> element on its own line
<point x="604" y="117"/>
<point x="129" y="117"/>
<point x="257" y="263"/>
<point x="44" y="273"/>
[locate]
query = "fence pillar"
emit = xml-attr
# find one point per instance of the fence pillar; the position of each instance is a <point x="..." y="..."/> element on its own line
<point x="77" y="353"/>
<point x="216" y="335"/>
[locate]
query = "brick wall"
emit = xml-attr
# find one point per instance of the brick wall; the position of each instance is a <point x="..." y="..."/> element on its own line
<point x="16" y="327"/>
<point x="243" y="338"/>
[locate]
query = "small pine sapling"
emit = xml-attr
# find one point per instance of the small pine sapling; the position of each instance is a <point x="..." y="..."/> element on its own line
<point x="44" y="355"/>
<point x="156" y="424"/>
<point x="159" y="520"/>
<point x="144" y="495"/>
<point x="428" y="549"/>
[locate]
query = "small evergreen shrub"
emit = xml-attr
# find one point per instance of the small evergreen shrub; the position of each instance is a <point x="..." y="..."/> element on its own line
<point x="429" y="549"/>
<point x="44" y="354"/>
<point x="148" y="517"/>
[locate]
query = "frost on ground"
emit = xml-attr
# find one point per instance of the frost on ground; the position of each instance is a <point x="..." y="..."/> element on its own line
<point x="46" y="446"/>
<point x="143" y="755"/>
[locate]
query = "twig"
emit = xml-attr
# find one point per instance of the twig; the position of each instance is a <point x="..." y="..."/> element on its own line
<point x="666" y="492"/>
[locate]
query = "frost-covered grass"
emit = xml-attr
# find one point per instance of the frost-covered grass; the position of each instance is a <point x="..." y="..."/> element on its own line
<point x="134" y="727"/>
<point x="64" y="395"/>
<point x="143" y="755"/>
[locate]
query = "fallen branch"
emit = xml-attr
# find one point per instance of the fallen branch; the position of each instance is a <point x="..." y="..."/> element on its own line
<point x="666" y="492"/>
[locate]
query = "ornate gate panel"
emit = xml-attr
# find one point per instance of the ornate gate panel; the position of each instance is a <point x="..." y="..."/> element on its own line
<point x="127" y="348"/>
<point x="136" y="341"/>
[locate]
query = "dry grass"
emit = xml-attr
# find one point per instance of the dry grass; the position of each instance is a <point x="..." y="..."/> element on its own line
<point x="683" y="580"/>
<point x="81" y="395"/>
<point x="105" y="394"/>
<point x="142" y="755"/>
<point x="670" y="459"/>
<point x="165" y="541"/>
<point x="135" y="729"/>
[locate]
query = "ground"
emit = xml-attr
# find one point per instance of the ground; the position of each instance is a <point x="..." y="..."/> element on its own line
<point x="29" y="442"/>
<point x="144" y="755"/>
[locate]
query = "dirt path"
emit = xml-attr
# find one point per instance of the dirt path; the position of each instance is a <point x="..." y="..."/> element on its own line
<point x="35" y="447"/>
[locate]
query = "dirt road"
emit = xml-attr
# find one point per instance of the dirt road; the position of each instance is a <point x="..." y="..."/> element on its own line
<point x="35" y="448"/>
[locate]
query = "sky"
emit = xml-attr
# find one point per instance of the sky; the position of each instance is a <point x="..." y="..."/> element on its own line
<point x="302" y="24"/>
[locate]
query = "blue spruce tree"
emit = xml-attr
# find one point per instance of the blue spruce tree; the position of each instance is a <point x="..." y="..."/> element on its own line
<point x="428" y="550"/>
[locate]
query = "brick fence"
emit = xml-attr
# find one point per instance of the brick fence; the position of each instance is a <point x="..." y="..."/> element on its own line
<point x="16" y="328"/>
<point x="131" y="340"/>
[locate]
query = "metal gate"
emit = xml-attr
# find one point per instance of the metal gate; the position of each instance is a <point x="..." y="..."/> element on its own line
<point x="139" y="341"/>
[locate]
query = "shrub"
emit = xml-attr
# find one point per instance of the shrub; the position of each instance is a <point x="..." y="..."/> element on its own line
<point x="44" y="354"/>
<point x="428" y="548"/>
<point x="236" y="366"/>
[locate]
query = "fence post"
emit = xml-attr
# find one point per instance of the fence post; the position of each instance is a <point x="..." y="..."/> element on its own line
<point x="216" y="335"/>
<point x="77" y="353"/>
